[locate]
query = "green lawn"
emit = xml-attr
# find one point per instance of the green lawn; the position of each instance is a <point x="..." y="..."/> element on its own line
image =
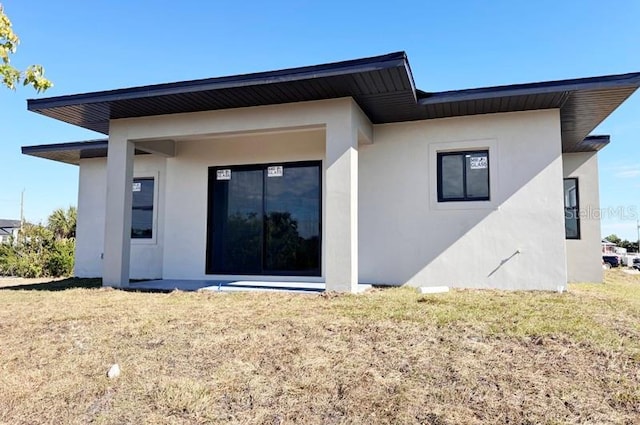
<point x="388" y="356"/>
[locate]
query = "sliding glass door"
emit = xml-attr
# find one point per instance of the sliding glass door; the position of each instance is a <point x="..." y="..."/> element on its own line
<point x="265" y="219"/>
<point x="237" y="222"/>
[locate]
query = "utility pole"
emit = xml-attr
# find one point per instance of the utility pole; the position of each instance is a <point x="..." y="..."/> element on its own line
<point x="638" y="229"/>
<point x="22" y="209"/>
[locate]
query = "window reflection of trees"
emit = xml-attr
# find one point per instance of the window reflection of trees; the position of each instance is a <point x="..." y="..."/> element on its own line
<point x="286" y="249"/>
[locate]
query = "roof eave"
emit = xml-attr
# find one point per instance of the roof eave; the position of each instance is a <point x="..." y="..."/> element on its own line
<point x="383" y="86"/>
<point x="583" y="103"/>
<point x="68" y="153"/>
<point x="593" y="83"/>
<point x="390" y="60"/>
<point x="72" y="152"/>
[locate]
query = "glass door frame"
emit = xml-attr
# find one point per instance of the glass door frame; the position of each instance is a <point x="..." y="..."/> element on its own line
<point x="209" y="253"/>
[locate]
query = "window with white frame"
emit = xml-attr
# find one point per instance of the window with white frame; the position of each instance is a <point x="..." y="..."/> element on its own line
<point x="571" y="208"/>
<point x="142" y="208"/>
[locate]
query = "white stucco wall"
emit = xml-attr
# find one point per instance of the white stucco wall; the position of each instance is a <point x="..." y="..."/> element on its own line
<point x="146" y="255"/>
<point x="344" y="126"/>
<point x="224" y="137"/>
<point x="513" y="241"/>
<point x="178" y="249"/>
<point x="90" y="222"/>
<point x="584" y="256"/>
<point x="187" y="182"/>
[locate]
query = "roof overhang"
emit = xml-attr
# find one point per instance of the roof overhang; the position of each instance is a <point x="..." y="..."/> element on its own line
<point x="382" y="86"/>
<point x="9" y="224"/>
<point x="71" y="152"/>
<point x="584" y="103"/>
<point x="593" y="143"/>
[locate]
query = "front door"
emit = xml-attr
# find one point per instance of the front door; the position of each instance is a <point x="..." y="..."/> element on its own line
<point x="265" y="219"/>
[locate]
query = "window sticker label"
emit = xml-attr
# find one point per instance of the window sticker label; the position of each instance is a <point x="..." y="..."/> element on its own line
<point x="275" y="171"/>
<point x="137" y="186"/>
<point x="223" y="174"/>
<point x="478" y="162"/>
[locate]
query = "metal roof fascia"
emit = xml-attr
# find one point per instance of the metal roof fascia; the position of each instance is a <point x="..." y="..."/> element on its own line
<point x="593" y="83"/>
<point x="596" y="142"/>
<point x="60" y="147"/>
<point x="280" y="76"/>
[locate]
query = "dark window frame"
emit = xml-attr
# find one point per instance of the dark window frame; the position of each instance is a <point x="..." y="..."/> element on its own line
<point x="150" y="237"/>
<point x="209" y="266"/>
<point x="464" y="198"/>
<point x="576" y="209"/>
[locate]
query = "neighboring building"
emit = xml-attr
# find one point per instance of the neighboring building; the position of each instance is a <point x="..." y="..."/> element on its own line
<point x="608" y="247"/>
<point x="340" y="173"/>
<point x="9" y="229"/>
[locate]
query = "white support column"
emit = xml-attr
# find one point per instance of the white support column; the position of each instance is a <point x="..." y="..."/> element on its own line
<point x="341" y="208"/>
<point x="117" y="234"/>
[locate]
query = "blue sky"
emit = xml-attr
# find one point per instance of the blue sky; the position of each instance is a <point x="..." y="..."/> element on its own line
<point x="99" y="44"/>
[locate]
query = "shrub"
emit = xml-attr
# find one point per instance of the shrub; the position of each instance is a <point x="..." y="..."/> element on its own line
<point x="37" y="253"/>
<point x="60" y="261"/>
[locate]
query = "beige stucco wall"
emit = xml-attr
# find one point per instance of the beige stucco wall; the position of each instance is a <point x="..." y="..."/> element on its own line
<point x="146" y="255"/>
<point x="514" y="241"/>
<point x="584" y="257"/>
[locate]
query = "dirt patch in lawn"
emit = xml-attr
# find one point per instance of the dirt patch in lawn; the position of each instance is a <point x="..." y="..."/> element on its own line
<point x="388" y="356"/>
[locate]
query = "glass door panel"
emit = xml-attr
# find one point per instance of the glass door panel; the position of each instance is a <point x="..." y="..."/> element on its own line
<point x="237" y="222"/>
<point x="292" y="221"/>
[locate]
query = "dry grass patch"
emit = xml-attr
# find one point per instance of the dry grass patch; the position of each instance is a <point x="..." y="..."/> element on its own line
<point x="389" y="356"/>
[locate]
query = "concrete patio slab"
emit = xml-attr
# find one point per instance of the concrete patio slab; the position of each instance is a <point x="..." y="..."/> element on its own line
<point x="233" y="286"/>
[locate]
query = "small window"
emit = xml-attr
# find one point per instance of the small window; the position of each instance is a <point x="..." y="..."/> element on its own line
<point x="142" y="208"/>
<point x="463" y="176"/>
<point x="571" y="209"/>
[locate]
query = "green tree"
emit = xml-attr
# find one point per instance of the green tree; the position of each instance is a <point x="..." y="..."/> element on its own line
<point x="62" y="223"/>
<point x="32" y="76"/>
<point x="629" y="246"/>
<point x="613" y="238"/>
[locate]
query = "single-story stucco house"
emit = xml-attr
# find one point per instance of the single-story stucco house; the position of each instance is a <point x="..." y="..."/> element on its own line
<point x="9" y="229"/>
<point x="340" y="173"/>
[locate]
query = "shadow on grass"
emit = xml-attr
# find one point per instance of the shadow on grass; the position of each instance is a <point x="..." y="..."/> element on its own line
<point x="56" y="285"/>
<point x="75" y="282"/>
